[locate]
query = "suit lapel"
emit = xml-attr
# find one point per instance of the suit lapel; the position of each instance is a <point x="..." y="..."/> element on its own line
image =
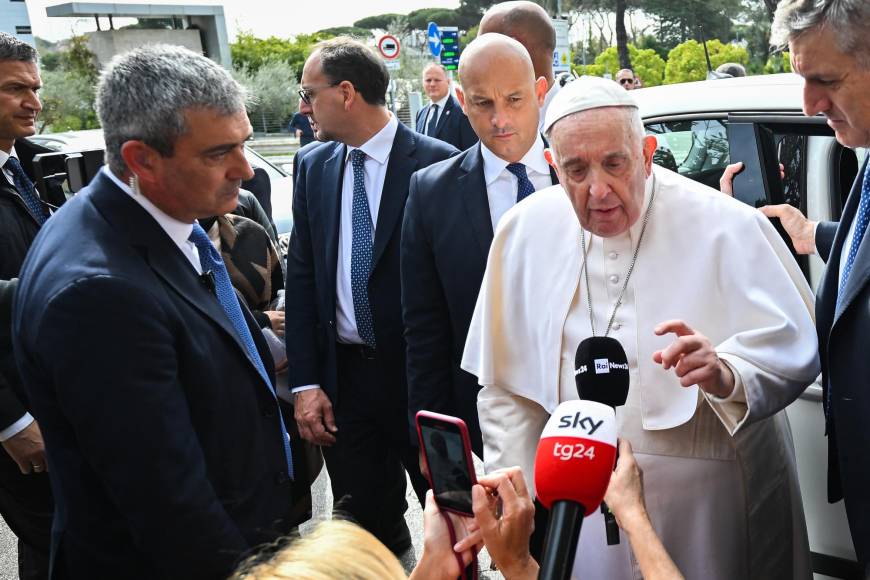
<point x="421" y="119"/>
<point x="445" y="114"/>
<point x="472" y="187"/>
<point x="400" y="166"/>
<point x="861" y="267"/>
<point x="161" y="253"/>
<point x="330" y="195"/>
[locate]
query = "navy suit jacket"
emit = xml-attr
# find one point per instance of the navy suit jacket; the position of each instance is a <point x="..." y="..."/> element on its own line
<point x="312" y="260"/>
<point x="844" y="334"/>
<point x="164" y="442"/>
<point x="453" y="126"/>
<point x="445" y="243"/>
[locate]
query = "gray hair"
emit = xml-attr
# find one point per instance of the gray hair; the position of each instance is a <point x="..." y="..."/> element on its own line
<point x="735" y="69"/>
<point x="849" y="19"/>
<point x="13" y="49"/>
<point x="143" y="96"/>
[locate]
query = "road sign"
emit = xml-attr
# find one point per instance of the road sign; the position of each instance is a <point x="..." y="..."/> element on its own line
<point x="434" y="37"/>
<point x="450" y="47"/>
<point x="388" y="46"/>
<point x="562" y="54"/>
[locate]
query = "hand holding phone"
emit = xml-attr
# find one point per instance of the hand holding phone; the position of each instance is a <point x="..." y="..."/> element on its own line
<point x="446" y="451"/>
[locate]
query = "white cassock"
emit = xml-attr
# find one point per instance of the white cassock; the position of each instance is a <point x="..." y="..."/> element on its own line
<point x="720" y="479"/>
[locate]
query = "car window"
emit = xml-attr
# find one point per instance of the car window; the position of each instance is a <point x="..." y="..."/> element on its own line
<point x="695" y="148"/>
<point x="257" y="161"/>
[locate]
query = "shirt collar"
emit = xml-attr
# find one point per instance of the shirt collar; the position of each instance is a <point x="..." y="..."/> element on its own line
<point x="493" y="165"/>
<point x="381" y="143"/>
<point x="442" y="101"/>
<point x="175" y="229"/>
<point x="4" y="157"/>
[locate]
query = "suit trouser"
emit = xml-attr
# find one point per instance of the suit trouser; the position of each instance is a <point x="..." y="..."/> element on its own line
<point x="367" y="463"/>
<point x="27" y="506"/>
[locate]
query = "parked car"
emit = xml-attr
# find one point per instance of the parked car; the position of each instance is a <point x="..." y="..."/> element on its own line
<point x="282" y="184"/>
<point x="702" y="127"/>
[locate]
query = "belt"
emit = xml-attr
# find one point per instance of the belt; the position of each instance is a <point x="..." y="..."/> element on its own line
<point x="362" y="351"/>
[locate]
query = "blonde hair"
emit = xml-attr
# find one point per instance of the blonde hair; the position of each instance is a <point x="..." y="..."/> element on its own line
<point x="334" y="550"/>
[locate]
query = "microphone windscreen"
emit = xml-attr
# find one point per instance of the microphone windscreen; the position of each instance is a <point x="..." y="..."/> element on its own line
<point x="601" y="371"/>
<point x="576" y="454"/>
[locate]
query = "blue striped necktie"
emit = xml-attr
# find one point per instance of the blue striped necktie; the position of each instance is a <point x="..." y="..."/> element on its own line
<point x="211" y="261"/>
<point x="26" y="190"/>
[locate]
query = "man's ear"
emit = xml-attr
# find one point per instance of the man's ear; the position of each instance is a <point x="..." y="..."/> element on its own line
<point x="649" y="147"/>
<point x="141" y="160"/>
<point x="348" y="93"/>
<point x="541" y="91"/>
<point x="548" y="155"/>
<point x="460" y="96"/>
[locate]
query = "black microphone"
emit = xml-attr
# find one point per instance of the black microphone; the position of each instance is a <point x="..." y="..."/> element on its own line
<point x="207" y="280"/>
<point x="601" y="375"/>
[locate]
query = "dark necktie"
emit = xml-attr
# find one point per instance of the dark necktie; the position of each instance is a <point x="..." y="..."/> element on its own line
<point x="361" y="250"/>
<point x="861" y="219"/>
<point x="433" y="120"/>
<point x="524" y="186"/>
<point x="26" y="190"/>
<point x="211" y="261"/>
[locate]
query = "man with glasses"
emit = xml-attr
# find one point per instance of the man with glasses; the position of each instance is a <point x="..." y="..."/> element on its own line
<point x="626" y="79"/>
<point x="344" y="329"/>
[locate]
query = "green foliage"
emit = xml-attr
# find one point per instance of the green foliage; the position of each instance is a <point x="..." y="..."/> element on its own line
<point x="354" y="31"/>
<point x="686" y="62"/>
<point x="274" y="88"/>
<point x="468" y="35"/>
<point x="648" y="65"/>
<point x="778" y="63"/>
<point x="67" y="102"/>
<point x="682" y="20"/>
<point x="250" y="53"/>
<point x="379" y="21"/>
<point x="420" y="19"/>
<point x="69" y="81"/>
<point x="594" y="70"/>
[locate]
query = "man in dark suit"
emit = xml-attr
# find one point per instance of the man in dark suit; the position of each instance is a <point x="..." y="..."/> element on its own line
<point x="25" y="494"/>
<point x="453" y="209"/>
<point x="443" y="118"/>
<point x="829" y="48"/>
<point x="151" y="382"/>
<point x="344" y="330"/>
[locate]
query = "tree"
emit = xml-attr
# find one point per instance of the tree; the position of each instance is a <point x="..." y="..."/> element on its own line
<point x="683" y="20"/>
<point x="274" y="87"/>
<point x="377" y="22"/>
<point x="686" y="62"/>
<point x="648" y="65"/>
<point x="250" y="53"/>
<point x="354" y="31"/>
<point x="68" y="93"/>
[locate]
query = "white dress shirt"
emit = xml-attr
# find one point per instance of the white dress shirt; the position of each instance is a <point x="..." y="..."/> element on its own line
<point x="178" y="231"/>
<point x="377" y="150"/>
<point x="501" y="184"/>
<point x="4" y="157"/>
<point x="433" y="113"/>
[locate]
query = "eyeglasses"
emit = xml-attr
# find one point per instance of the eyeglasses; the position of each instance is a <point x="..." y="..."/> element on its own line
<point x="307" y="94"/>
<point x="621" y="81"/>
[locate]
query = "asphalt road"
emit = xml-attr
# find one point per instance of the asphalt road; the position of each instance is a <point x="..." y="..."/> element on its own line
<point x="322" y="500"/>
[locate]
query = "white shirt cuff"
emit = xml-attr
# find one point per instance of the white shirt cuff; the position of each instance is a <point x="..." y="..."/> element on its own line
<point x="815" y="231"/>
<point x="733" y="409"/>
<point x="16" y="427"/>
<point x="295" y="390"/>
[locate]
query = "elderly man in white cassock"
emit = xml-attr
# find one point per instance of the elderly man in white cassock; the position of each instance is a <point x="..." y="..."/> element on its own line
<point x="714" y="315"/>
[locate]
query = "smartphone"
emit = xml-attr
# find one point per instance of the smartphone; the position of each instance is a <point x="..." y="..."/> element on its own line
<point x="447" y="456"/>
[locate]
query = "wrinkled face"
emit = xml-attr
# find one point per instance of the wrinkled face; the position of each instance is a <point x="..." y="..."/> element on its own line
<point x="325" y="111"/>
<point x="502" y="101"/>
<point x="19" y="104"/>
<point x="626" y="80"/>
<point x="603" y="167"/>
<point x="203" y="175"/>
<point x="435" y="83"/>
<point x="835" y="85"/>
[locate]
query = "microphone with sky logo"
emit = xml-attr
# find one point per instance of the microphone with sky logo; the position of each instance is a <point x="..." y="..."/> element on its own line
<point x="601" y="375"/>
<point x="573" y="466"/>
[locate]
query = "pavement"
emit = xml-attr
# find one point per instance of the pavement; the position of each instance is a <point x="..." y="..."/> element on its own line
<point x="322" y="507"/>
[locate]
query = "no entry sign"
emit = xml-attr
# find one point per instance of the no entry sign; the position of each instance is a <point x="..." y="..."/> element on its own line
<point x="388" y="46"/>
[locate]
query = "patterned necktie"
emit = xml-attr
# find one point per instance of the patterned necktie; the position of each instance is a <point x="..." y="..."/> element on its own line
<point x="26" y="190"/>
<point x="361" y="250"/>
<point x="211" y="261"/>
<point x="861" y="219"/>
<point x="433" y="120"/>
<point x="524" y="186"/>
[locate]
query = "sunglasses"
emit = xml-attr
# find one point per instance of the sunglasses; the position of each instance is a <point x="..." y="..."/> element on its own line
<point x="307" y="94"/>
<point x="622" y="82"/>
